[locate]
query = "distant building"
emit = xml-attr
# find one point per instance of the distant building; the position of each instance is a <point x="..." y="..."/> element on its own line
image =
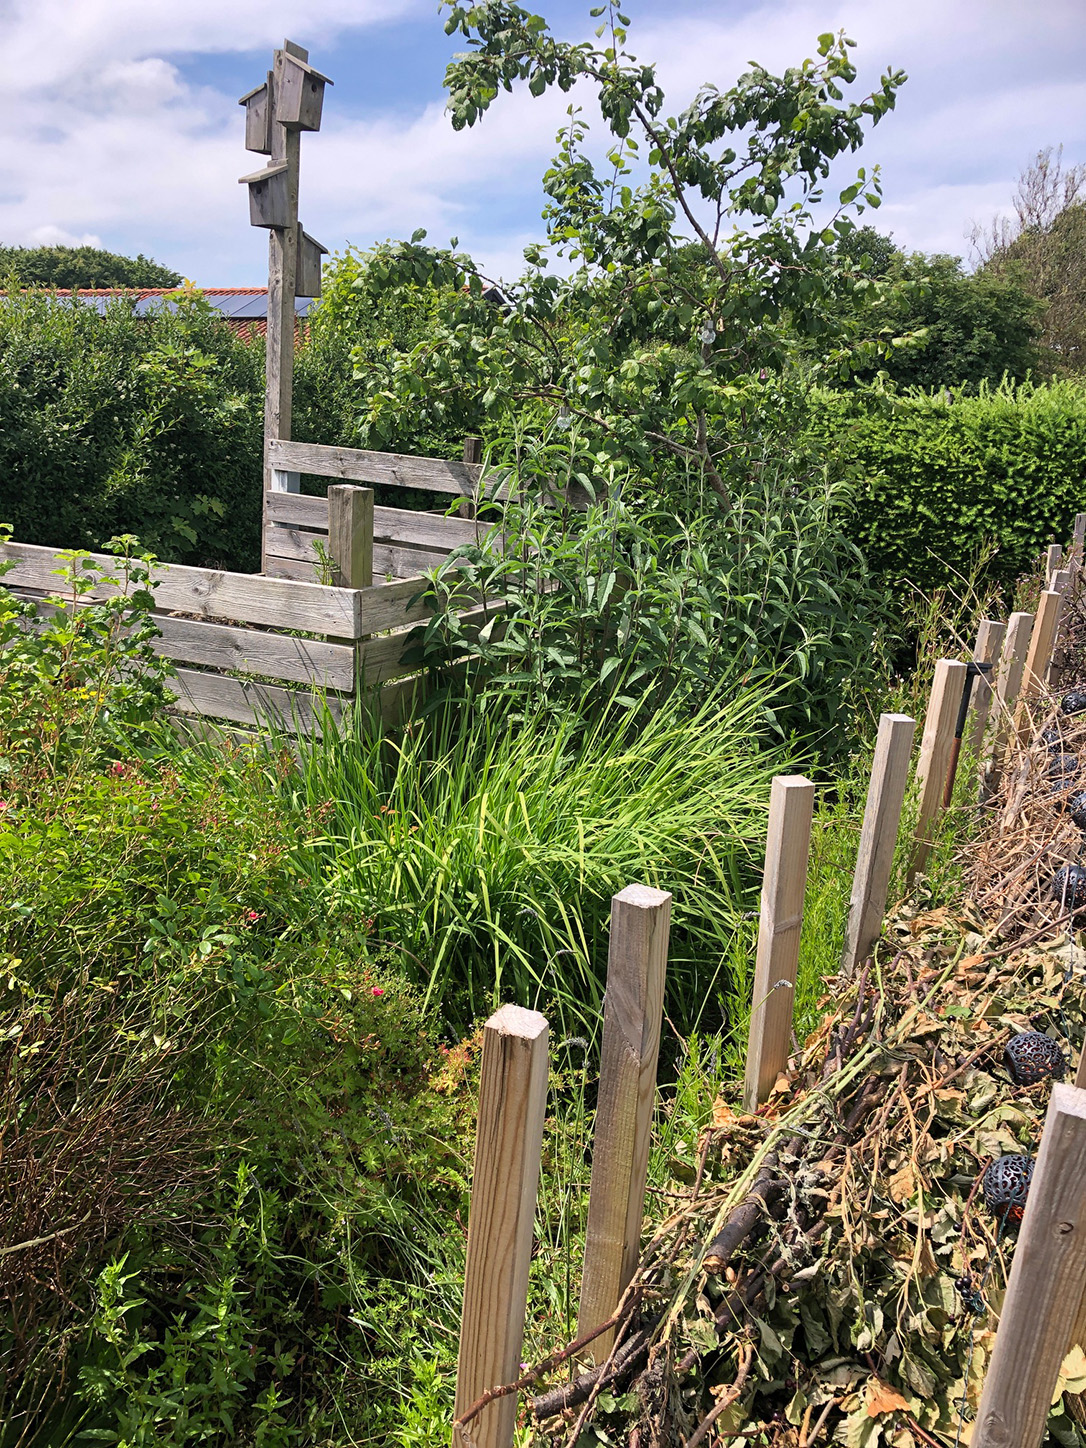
<point x="244" y="309"/>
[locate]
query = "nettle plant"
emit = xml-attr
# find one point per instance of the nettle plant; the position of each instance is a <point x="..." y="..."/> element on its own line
<point x="694" y="265"/>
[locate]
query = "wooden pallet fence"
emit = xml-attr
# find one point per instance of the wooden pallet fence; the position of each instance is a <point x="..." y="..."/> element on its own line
<point x="936" y="747"/>
<point x="878" y="837"/>
<point x="990" y="636"/>
<point x="216" y="626"/>
<point x="505" y="1182"/>
<point x="633" y="1010"/>
<point x="1012" y="664"/>
<point x="788" y="844"/>
<point x="1045" y="1288"/>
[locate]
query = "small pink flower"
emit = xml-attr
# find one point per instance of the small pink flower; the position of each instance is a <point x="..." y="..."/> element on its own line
<point x="252" y="916"/>
<point x="118" y="768"/>
<point x="377" y="990"/>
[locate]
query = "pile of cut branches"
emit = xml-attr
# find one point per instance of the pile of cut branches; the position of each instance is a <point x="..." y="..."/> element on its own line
<point x="834" y="1273"/>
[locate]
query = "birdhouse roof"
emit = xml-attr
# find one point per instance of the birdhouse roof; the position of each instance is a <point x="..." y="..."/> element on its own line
<point x="264" y="174"/>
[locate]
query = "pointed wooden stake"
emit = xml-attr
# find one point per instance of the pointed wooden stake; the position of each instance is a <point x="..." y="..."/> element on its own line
<point x="636" y="965"/>
<point x="788" y="844"/>
<point x="878" y="837"/>
<point x="935" y="750"/>
<point x="512" y="1104"/>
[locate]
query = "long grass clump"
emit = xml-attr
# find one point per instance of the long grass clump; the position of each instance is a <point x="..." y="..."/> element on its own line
<point x="486" y="849"/>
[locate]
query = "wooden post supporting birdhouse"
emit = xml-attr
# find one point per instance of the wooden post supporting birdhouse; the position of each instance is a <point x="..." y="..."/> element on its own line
<point x="276" y="113"/>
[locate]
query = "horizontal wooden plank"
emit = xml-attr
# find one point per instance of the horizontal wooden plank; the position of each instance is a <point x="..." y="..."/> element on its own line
<point x="296" y="508"/>
<point x="383" y="657"/>
<point x="209" y="593"/>
<point x="293" y="561"/>
<point x="403" y="527"/>
<point x="271" y="655"/>
<point x="357" y="465"/>
<point x="219" y="697"/>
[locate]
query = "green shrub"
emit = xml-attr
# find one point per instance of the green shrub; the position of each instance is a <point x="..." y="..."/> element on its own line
<point x="116" y="424"/>
<point x="485" y="846"/>
<point x="937" y="477"/>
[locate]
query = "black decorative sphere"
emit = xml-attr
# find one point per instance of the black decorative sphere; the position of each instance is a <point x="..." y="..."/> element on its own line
<point x="1006" y="1186"/>
<point x="1069" y="887"/>
<point x="1074" y="702"/>
<point x="1063" y="766"/>
<point x="1052" y="737"/>
<point x="1032" y="1057"/>
<point x="1061" y="785"/>
<point x="1076" y="807"/>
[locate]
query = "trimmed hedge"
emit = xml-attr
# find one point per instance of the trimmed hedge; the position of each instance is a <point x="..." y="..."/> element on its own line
<point x="117" y="424"/>
<point x="936" y="476"/>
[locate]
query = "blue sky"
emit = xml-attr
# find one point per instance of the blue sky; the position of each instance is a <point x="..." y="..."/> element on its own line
<point x="120" y="124"/>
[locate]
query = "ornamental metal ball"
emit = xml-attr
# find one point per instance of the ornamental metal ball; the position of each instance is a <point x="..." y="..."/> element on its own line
<point x="1063" y="766"/>
<point x="1069" y="887"/>
<point x="1032" y="1057"/>
<point x="1074" y="702"/>
<point x="1076" y="808"/>
<point x="1052" y="737"/>
<point x="1006" y="1185"/>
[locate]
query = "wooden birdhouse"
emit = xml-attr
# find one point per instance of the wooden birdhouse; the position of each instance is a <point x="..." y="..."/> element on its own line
<point x="258" y="118"/>
<point x="310" y="256"/>
<point x="269" y="196"/>
<point x="299" y="94"/>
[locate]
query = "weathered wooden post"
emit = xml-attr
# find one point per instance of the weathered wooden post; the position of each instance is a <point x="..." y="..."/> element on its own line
<point x="990" y="635"/>
<point x="1038" y="659"/>
<point x="878" y="837"/>
<point x="1012" y="663"/>
<point x="1053" y="559"/>
<point x="276" y="113"/>
<point x="1045" y="1286"/>
<point x="504" y="1184"/>
<point x="788" y="846"/>
<point x="1078" y="541"/>
<point x="350" y="535"/>
<point x="633" y="1008"/>
<point x="936" y="746"/>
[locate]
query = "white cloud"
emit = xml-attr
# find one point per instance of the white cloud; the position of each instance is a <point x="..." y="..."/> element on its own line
<point x="104" y="138"/>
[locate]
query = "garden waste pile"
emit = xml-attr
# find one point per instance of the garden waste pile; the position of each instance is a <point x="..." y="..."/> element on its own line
<point x="834" y="1272"/>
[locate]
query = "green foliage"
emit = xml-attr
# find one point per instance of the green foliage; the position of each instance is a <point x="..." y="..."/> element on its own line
<point x="620" y="602"/>
<point x="486" y="848"/>
<point x="655" y="339"/>
<point x="939" y="478"/>
<point x="950" y="327"/>
<point x="355" y="332"/>
<point x="72" y="268"/>
<point x="219" y="1107"/>
<point x="115" y="424"/>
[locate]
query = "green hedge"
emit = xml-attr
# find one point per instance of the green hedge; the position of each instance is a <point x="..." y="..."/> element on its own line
<point x="936" y="476"/>
<point x="112" y="423"/>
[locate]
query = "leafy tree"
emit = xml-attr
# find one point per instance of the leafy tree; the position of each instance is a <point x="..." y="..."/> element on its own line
<point x="953" y="328"/>
<point x="1042" y="249"/>
<point x="74" y="267"/>
<point x="691" y="244"/>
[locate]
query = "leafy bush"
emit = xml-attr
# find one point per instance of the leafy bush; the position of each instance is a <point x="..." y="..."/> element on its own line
<point x="73" y="267"/>
<point x="620" y="601"/>
<point x="116" y="424"/>
<point x="485" y="846"/>
<point x="937" y="478"/>
<point x="223" y="1117"/>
